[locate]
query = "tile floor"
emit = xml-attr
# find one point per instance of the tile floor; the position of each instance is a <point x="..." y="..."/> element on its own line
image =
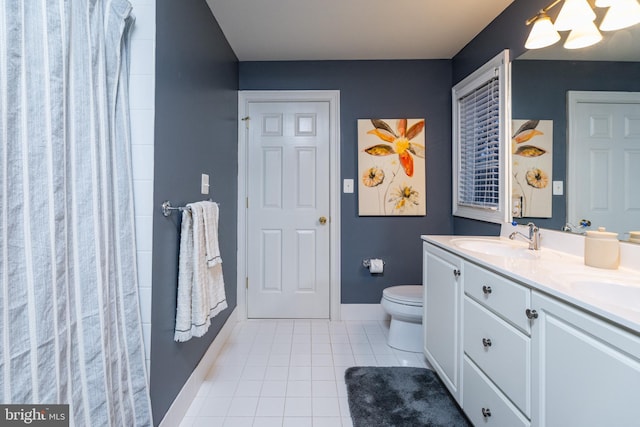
<point x="290" y="373"/>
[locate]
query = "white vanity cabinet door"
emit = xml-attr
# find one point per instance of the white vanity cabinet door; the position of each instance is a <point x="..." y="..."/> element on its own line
<point x="585" y="371"/>
<point x="442" y="319"/>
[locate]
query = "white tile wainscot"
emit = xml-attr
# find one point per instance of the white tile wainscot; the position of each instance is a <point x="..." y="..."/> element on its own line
<point x="142" y="109"/>
<point x="537" y="335"/>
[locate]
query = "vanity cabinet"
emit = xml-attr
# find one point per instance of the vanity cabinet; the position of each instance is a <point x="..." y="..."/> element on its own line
<point x="512" y="355"/>
<point x="442" y="272"/>
<point x="586" y="371"/>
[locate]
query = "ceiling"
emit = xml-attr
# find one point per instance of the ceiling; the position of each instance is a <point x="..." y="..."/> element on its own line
<point x="280" y="30"/>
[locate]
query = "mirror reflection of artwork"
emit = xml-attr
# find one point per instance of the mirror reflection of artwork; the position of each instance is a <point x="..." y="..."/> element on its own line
<point x="391" y="167"/>
<point x="532" y="157"/>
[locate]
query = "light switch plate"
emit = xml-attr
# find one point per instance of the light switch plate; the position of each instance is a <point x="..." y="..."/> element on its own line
<point x="558" y="188"/>
<point x="204" y="184"/>
<point x="347" y="186"/>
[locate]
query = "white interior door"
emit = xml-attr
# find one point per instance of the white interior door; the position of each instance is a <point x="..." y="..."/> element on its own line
<point x="288" y="210"/>
<point x="604" y="159"/>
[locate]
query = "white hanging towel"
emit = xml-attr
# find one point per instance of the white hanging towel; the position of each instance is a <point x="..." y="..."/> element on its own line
<point x="201" y="293"/>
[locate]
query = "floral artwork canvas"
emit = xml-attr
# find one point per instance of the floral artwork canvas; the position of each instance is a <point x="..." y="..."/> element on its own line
<point x="532" y="161"/>
<point x="391" y="167"/>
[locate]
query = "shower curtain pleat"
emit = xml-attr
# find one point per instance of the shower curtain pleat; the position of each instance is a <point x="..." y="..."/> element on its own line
<point x="70" y="329"/>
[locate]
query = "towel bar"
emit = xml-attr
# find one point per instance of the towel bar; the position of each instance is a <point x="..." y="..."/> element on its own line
<point x="167" y="208"/>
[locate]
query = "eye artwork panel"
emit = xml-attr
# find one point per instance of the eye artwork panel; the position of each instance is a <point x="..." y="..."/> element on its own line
<point x="532" y="157"/>
<point x="391" y="167"/>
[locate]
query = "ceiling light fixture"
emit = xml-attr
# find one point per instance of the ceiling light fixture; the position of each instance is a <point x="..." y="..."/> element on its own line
<point x="621" y="14"/>
<point x="577" y="16"/>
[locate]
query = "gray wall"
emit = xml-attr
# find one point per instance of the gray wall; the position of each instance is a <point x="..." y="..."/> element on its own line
<point x="539" y="91"/>
<point x="195" y="132"/>
<point x="378" y="89"/>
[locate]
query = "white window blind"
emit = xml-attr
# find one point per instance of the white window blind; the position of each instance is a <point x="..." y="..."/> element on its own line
<point x="480" y="129"/>
<point x="479" y="179"/>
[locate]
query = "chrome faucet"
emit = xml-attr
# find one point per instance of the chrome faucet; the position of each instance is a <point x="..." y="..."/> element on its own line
<point x="533" y="239"/>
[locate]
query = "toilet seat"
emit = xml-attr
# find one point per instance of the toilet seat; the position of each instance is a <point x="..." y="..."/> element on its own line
<point x="405" y="295"/>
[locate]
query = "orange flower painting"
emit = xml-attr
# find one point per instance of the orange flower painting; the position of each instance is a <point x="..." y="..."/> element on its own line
<point x="391" y="167"/>
<point x="532" y="157"/>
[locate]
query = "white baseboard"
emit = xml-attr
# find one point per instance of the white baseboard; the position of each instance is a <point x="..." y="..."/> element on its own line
<point x="362" y="312"/>
<point x="183" y="400"/>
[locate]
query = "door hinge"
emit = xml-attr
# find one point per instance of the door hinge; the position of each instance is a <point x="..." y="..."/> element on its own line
<point x="246" y="120"/>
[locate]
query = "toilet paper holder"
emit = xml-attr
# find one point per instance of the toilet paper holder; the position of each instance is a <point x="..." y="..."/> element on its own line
<point x="366" y="263"/>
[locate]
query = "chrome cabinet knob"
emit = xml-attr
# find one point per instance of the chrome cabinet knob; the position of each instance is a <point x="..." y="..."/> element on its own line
<point x="456" y="273"/>
<point x="531" y="314"/>
<point x="486" y="342"/>
<point x="486" y="412"/>
<point x="486" y="290"/>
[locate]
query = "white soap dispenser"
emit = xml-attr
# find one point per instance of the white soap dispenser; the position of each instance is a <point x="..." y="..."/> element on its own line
<point x="602" y="249"/>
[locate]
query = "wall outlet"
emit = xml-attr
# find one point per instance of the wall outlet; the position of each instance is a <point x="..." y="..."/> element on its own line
<point x="204" y="184"/>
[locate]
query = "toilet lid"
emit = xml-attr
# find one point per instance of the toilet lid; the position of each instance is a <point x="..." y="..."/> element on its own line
<point x="407" y="294"/>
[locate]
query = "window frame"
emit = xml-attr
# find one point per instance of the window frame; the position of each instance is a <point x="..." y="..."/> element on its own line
<point x="501" y="67"/>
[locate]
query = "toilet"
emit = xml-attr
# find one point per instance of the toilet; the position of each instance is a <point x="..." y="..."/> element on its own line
<point x="404" y="305"/>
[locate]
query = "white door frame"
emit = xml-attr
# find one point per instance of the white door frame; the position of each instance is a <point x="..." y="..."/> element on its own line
<point x="574" y="98"/>
<point x="333" y="97"/>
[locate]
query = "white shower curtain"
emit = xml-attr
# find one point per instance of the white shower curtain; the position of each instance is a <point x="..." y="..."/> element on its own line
<point x="70" y="328"/>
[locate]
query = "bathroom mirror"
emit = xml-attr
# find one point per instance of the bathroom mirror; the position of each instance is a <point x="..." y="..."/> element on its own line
<point x="540" y="82"/>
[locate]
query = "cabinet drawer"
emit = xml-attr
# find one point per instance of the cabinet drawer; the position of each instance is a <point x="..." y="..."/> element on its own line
<point x="499" y="294"/>
<point x="481" y="397"/>
<point x="500" y="350"/>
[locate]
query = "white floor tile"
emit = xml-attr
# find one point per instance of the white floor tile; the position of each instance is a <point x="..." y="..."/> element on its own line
<point x="238" y="422"/>
<point x="248" y="388"/>
<point x="327" y="422"/>
<point x="274" y="389"/>
<point x="267" y="422"/>
<point x="215" y="407"/>
<point x="297" y="422"/>
<point x="276" y="373"/>
<point x="299" y="373"/>
<point x="321" y="360"/>
<point x="297" y="407"/>
<point x="243" y="407"/>
<point x="324" y="389"/>
<point x="270" y="407"/>
<point x="322" y="373"/>
<point x="325" y="407"/>
<point x="208" y="422"/>
<point x="253" y="373"/>
<point x="299" y="389"/>
<point x="290" y="373"/>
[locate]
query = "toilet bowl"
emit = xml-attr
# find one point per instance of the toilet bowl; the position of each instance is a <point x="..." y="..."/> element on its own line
<point x="404" y="305"/>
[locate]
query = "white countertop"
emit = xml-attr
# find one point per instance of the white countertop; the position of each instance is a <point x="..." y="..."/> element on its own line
<point x="557" y="267"/>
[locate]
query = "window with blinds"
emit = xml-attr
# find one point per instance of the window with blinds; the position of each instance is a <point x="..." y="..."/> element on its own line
<point x="480" y="127"/>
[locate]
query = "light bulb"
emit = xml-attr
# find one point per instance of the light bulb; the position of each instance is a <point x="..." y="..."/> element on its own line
<point x="583" y="36"/>
<point x="621" y="14"/>
<point x="574" y="13"/>
<point x="542" y="33"/>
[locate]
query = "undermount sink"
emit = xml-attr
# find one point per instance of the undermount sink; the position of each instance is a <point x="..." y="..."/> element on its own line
<point x="608" y="291"/>
<point x="495" y="247"/>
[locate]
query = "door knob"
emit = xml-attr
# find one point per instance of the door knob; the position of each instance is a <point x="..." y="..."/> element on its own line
<point x="323" y="220"/>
